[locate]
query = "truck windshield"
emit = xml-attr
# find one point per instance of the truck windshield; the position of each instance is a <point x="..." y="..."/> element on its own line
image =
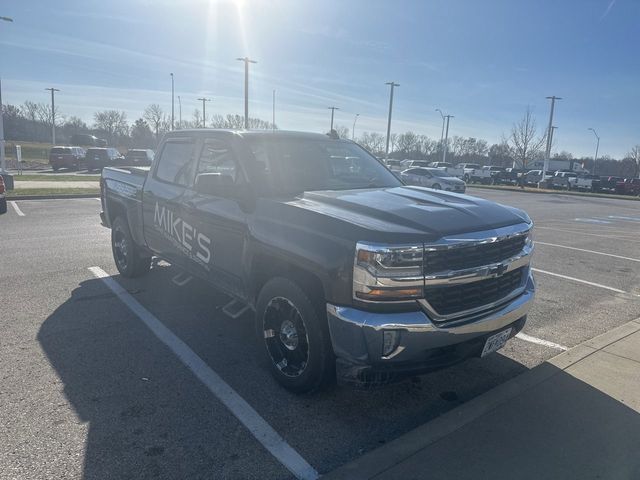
<point x="293" y="165"/>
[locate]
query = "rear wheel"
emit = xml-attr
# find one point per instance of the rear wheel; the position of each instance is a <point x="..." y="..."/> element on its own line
<point x="295" y="336"/>
<point x="130" y="259"/>
<point x="3" y="205"/>
<point x="436" y="186"/>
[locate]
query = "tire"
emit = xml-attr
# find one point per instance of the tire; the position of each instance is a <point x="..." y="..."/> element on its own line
<point x="55" y="169"/>
<point x="300" y="363"/>
<point x="3" y="206"/>
<point x="130" y="259"/>
<point x="436" y="186"/>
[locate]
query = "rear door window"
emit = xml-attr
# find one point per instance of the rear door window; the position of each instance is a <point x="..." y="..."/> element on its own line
<point x="217" y="157"/>
<point x="176" y="164"/>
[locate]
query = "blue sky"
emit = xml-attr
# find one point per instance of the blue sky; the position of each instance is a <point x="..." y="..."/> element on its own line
<point x="482" y="61"/>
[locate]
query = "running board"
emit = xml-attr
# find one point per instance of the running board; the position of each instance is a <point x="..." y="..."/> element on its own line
<point x="235" y="308"/>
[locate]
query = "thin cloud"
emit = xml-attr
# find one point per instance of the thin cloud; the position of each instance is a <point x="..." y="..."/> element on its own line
<point x="609" y="7"/>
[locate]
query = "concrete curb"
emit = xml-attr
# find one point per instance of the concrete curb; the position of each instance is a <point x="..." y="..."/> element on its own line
<point x="53" y="197"/>
<point x="558" y="192"/>
<point x="409" y="444"/>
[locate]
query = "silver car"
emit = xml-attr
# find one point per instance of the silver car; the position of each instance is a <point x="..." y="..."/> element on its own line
<point x="432" y="178"/>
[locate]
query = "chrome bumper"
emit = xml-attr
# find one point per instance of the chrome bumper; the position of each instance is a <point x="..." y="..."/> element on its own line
<point x="357" y="335"/>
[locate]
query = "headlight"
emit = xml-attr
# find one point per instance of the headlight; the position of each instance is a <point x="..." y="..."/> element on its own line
<point x="387" y="273"/>
<point x="529" y="241"/>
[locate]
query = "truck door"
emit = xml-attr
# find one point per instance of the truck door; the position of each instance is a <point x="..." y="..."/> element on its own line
<point x="162" y="199"/>
<point x="219" y="222"/>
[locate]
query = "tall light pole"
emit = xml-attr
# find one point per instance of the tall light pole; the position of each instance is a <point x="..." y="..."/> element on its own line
<point x="172" y="103"/>
<point x="353" y="130"/>
<point x="273" y="111"/>
<point x="2" y="159"/>
<point x="53" y="114"/>
<point x="204" y="111"/>
<point x="446" y="138"/>
<point x="549" y="135"/>
<point x="179" y="113"/>
<point x="246" y="61"/>
<point x="595" y="158"/>
<point x="386" y="148"/>
<point x="442" y="131"/>
<point x="333" y="109"/>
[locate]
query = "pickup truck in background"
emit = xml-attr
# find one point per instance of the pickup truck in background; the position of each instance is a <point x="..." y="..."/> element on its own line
<point x="609" y="184"/>
<point x="561" y="180"/>
<point x="584" y="183"/>
<point x="467" y="170"/>
<point x="348" y="271"/>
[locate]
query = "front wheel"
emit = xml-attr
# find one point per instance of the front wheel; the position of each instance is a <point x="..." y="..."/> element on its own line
<point x="436" y="186"/>
<point x="131" y="260"/>
<point x="295" y="335"/>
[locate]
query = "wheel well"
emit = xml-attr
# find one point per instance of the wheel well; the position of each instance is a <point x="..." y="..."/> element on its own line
<point x="115" y="210"/>
<point x="265" y="269"/>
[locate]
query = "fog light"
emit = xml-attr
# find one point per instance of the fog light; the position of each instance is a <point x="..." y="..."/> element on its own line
<point x="390" y="341"/>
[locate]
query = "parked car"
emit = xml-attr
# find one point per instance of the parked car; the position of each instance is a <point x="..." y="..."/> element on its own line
<point x="3" y="196"/>
<point x="440" y="165"/>
<point x="628" y="186"/>
<point x="447" y="167"/>
<point x="533" y="177"/>
<point x="98" y="158"/>
<point x="513" y="176"/>
<point x="584" y="183"/>
<point x="435" y="178"/>
<point x="609" y="184"/>
<point x="416" y="163"/>
<point x="139" y="157"/>
<point x="393" y="165"/>
<point x="348" y="272"/>
<point x="467" y="170"/>
<point x="561" y="179"/>
<point x="86" y="140"/>
<point x="66" y="157"/>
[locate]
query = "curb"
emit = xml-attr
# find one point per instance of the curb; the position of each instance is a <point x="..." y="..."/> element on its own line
<point x="381" y="459"/>
<point x="52" y="197"/>
<point x="559" y="192"/>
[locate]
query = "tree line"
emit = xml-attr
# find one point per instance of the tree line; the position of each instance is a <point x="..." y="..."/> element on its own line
<point x="523" y="146"/>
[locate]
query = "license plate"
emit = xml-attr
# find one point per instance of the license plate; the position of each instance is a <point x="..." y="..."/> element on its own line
<point x="496" y="342"/>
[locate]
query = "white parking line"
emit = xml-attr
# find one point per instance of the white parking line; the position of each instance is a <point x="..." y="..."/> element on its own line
<point x="259" y="428"/>
<point x="17" y="209"/>
<point x="589" y="251"/>
<point x="539" y="341"/>
<point x="573" y="279"/>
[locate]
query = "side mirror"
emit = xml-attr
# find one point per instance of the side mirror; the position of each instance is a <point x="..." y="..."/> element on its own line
<point x="215" y="184"/>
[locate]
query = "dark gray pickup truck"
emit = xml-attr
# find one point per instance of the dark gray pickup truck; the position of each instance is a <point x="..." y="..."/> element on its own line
<point x="349" y="272"/>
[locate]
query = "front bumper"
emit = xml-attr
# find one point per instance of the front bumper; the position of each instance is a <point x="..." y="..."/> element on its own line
<point x="424" y="344"/>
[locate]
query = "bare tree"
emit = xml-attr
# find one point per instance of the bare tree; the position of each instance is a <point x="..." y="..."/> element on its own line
<point x="154" y="115"/>
<point x="343" y="132"/>
<point x="112" y="122"/>
<point x="524" y="141"/>
<point x="634" y="155"/>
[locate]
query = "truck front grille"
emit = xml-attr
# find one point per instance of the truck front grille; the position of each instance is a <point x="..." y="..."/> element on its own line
<point x="459" y="258"/>
<point x="450" y="299"/>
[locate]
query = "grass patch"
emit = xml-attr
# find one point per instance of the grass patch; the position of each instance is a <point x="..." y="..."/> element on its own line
<point x="556" y="192"/>
<point x="55" y="178"/>
<point x="51" y="191"/>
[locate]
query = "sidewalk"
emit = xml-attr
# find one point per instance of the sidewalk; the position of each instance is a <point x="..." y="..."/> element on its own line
<point x="20" y="184"/>
<point x="576" y="416"/>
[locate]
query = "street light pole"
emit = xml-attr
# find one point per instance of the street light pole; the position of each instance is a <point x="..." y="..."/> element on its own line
<point x="595" y="159"/>
<point x="2" y="159"/>
<point x="442" y="131"/>
<point x="172" y="103"/>
<point x="273" y="111"/>
<point x="53" y="114"/>
<point x="179" y="113"/>
<point x="446" y="139"/>
<point x="246" y="61"/>
<point x="386" y="148"/>
<point x="353" y="130"/>
<point x="333" y="109"/>
<point x="549" y="135"/>
<point x="204" y="111"/>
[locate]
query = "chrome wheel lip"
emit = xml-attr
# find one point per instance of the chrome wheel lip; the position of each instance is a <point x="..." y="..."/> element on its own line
<point x="121" y="249"/>
<point x="284" y="340"/>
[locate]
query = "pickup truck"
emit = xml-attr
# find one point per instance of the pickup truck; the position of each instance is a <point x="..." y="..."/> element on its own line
<point x="562" y="180"/>
<point x="584" y="183"/>
<point x="628" y="186"/>
<point x="348" y="272"/>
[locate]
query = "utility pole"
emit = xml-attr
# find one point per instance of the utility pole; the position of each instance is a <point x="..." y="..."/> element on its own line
<point x="446" y="139"/>
<point x="273" y="111"/>
<point x="172" y="103"/>
<point x="53" y="115"/>
<point x="246" y="61"/>
<point x="2" y="159"/>
<point x="549" y="135"/>
<point x="179" y="113"/>
<point x="595" y="158"/>
<point x="386" y="148"/>
<point x="442" y="131"/>
<point x="333" y="109"/>
<point x="204" y="111"/>
<point x="353" y="130"/>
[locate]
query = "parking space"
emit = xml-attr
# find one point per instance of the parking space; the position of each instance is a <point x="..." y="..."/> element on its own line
<point x="91" y="391"/>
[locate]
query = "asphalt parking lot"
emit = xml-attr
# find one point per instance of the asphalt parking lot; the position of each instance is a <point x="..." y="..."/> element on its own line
<point x="88" y="391"/>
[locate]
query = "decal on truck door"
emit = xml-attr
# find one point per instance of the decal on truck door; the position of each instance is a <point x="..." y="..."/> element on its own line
<point x="196" y="245"/>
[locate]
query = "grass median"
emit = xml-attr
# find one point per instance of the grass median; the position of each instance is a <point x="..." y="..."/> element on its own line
<point x="47" y="192"/>
<point x="43" y="177"/>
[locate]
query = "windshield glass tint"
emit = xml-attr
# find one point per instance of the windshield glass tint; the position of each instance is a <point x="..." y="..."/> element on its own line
<point x="298" y="165"/>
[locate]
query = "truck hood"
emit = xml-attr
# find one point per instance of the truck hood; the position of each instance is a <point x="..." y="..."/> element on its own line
<point x="416" y="212"/>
